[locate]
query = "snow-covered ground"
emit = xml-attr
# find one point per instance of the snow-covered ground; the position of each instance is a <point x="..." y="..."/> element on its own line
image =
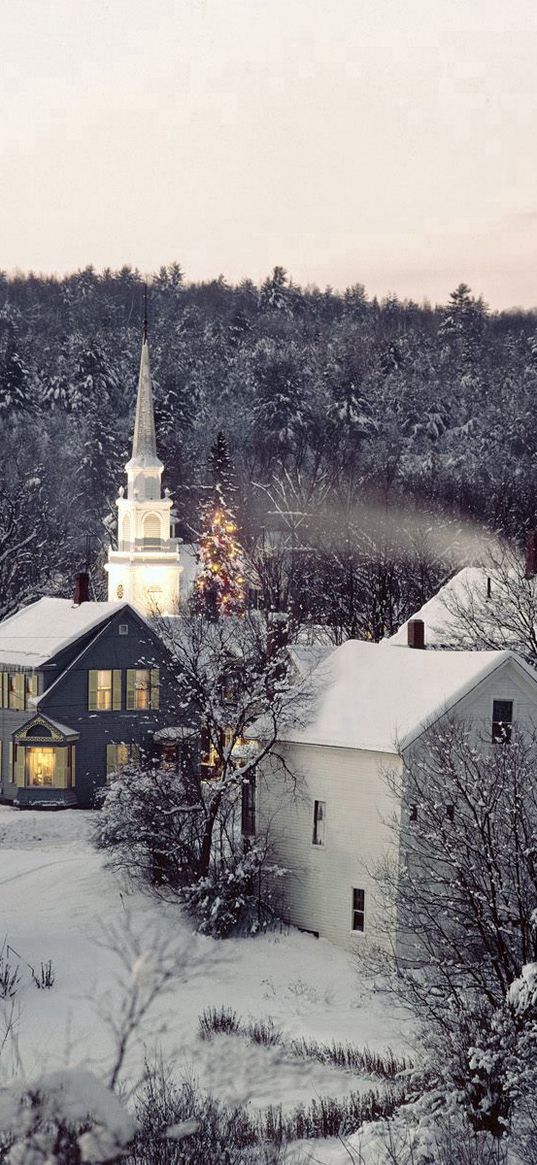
<point x="57" y="902"/>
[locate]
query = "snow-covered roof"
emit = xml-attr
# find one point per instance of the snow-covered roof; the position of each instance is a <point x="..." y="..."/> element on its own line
<point x="307" y="656"/>
<point x="441" y="627"/>
<point x="380" y="698"/>
<point x="34" y="634"/>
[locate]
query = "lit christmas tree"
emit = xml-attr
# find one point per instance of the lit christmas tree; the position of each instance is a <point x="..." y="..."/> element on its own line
<point x="219" y="588"/>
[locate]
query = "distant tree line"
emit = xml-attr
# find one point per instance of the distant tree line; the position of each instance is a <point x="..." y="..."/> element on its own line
<point x="358" y="429"/>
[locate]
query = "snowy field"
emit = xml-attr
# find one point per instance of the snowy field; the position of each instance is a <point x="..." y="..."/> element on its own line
<point x="57" y="903"/>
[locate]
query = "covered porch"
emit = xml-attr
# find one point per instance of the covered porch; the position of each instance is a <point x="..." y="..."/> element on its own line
<point x="44" y="764"/>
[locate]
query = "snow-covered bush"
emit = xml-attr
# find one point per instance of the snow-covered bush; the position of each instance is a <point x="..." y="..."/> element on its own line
<point x="236" y="896"/>
<point x="65" y="1117"/>
<point x="225" y="1135"/>
<point x="10" y="976"/>
<point x="218" y="1021"/>
<point x="189" y="833"/>
<point x="149" y="826"/>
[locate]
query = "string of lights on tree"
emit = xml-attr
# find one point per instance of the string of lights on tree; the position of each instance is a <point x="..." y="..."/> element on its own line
<point x="220" y="584"/>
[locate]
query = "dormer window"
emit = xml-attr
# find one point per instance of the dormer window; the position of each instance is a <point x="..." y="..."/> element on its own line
<point x="502" y="721"/>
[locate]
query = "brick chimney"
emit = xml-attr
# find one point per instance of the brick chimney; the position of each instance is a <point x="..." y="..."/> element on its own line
<point x="416" y="633"/>
<point x="531" y="554"/>
<point x="81" y="591"/>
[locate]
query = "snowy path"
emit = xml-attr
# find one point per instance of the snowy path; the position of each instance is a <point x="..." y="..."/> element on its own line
<point x="56" y="898"/>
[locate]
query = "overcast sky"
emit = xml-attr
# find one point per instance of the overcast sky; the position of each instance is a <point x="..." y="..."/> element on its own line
<point x="387" y="142"/>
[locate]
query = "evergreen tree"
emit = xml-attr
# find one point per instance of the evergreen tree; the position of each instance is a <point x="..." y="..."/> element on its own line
<point x="221" y="466"/>
<point x="220" y="583"/>
<point x="14" y="379"/>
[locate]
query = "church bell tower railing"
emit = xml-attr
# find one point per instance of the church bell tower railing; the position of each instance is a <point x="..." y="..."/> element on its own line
<point x="151" y="544"/>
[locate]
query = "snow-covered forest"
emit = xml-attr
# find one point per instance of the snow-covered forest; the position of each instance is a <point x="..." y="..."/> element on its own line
<point x="352" y="424"/>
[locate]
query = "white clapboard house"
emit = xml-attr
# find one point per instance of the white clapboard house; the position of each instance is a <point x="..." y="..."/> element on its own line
<point x="368" y="706"/>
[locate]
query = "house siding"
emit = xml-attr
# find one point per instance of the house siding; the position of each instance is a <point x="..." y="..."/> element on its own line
<point x="318" y="886"/>
<point x="67" y="702"/>
<point x="359" y="805"/>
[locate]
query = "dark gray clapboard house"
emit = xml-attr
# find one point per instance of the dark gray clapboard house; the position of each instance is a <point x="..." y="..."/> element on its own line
<point x="84" y="687"/>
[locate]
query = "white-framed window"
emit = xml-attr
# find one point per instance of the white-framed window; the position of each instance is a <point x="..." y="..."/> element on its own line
<point x="358" y="910"/>
<point x="123" y="628"/>
<point x="502" y="721"/>
<point x="319" y="821"/>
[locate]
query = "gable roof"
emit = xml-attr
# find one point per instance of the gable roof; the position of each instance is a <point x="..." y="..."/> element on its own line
<point x="37" y="633"/>
<point x="379" y="698"/>
<point x="467" y="589"/>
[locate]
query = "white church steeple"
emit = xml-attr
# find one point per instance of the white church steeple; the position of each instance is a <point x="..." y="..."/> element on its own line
<point x="145" y="569"/>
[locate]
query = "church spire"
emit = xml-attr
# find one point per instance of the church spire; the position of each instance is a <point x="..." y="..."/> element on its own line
<point x="144" y="445"/>
<point x="145" y="567"/>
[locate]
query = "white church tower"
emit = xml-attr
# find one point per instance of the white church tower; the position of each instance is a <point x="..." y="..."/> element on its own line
<point x="145" y="569"/>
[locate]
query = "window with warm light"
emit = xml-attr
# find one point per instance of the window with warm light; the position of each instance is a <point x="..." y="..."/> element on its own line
<point x="40" y="766"/>
<point x="45" y="767"/>
<point x="143" y="689"/>
<point x="120" y="754"/>
<point x="104" y="690"/>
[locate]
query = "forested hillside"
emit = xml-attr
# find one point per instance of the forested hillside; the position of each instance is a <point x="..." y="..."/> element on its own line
<point x="359" y="430"/>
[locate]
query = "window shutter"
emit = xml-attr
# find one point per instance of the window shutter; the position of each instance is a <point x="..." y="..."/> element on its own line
<point x="111" y="761"/>
<point x="131" y="689"/>
<point x="73" y="765"/>
<point x="155" y="688"/>
<point x="134" y="751"/>
<point x="92" y="691"/>
<point x="116" y="691"/>
<point x="18" y="691"/>
<point x="60" y="775"/>
<point x="19" y="766"/>
<point x="10" y="761"/>
<point x="4" y="689"/>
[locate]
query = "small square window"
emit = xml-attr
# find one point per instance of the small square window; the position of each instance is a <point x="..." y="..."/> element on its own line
<point x="123" y="628"/>
<point x="319" y="818"/>
<point x="358" y="910"/>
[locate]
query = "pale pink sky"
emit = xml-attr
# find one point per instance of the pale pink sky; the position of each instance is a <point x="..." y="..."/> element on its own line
<point x="388" y="142"/>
